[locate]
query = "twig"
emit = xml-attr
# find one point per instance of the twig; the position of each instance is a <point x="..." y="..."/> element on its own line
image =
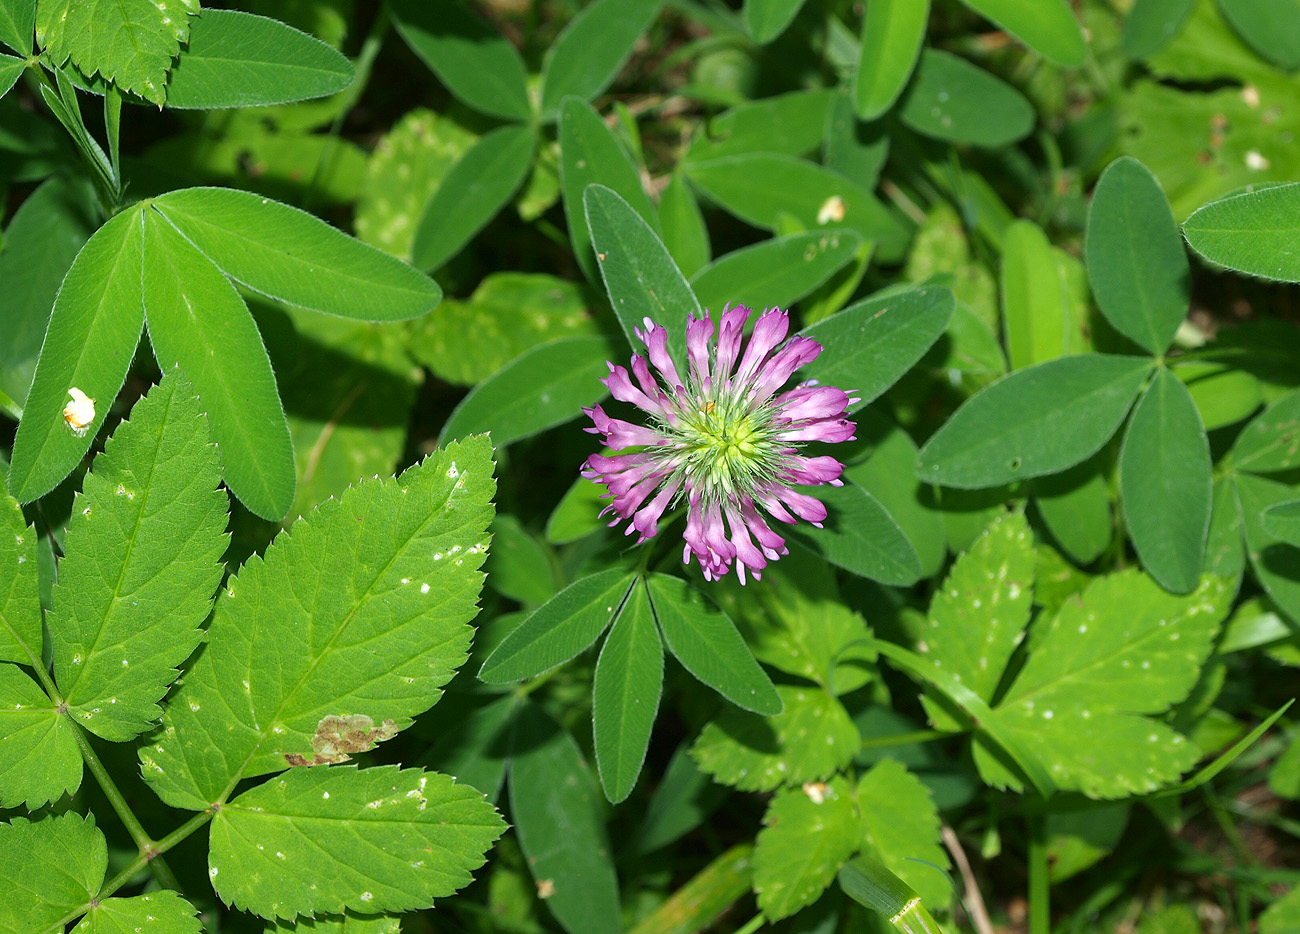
<point x="974" y="902"/>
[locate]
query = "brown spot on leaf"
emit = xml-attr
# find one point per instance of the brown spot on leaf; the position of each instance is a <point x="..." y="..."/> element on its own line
<point x="337" y="736"/>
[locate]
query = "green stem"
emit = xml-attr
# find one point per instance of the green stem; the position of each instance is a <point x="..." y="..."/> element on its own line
<point x="1040" y="895"/>
<point x="753" y="924"/>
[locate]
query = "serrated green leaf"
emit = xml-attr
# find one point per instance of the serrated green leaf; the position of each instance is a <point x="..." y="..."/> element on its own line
<point x="17" y="24"/>
<point x="979" y="614"/>
<point x="1272" y="29"/>
<point x="754" y="753"/>
<point x="20" y="602"/>
<point x="40" y="760"/>
<point x="1135" y="258"/>
<point x="951" y="99"/>
<point x="294" y="640"/>
<point x="641" y="278"/>
<point x="1046" y="26"/>
<point x="296" y="258"/>
<point x="861" y="537"/>
<point x="129" y="42"/>
<point x="198" y="322"/>
<point x="1166" y="484"/>
<point x="143" y="559"/>
<point x="1035" y="319"/>
<point x="767" y="19"/>
<point x="556" y="809"/>
<point x="706" y="642"/>
<point x="892" y="34"/>
<point x="472" y="193"/>
<point x="378" y="839"/>
<point x="625" y="695"/>
<point x="591" y="153"/>
<point x="901" y="828"/>
<point x="1035" y="421"/>
<point x="1271" y="442"/>
<point x="92" y="336"/>
<point x="1153" y="24"/>
<point x="161" y="912"/>
<point x="237" y="59"/>
<point x="586" y="56"/>
<point x="545" y="386"/>
<point x="477" y="64"/>
<point x="871" y="344"/>
<point x="807" y="835"/>
<point x="776" y="272"/>
<point x="349" y="923"/>
<point x="36" y="896"/>
<point x="1252" y="231"/>
<point x="1276" y="565"/>
<point x="562" y="627"/>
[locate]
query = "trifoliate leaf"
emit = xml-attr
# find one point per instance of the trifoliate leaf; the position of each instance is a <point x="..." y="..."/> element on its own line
<point x="808" y="834"/>
<point x="325" y="840"/>
<point x="978" y="616"/>
<point x="143" y="559"/>
<point x="900" y="826"/>
<point x="20" y="602"/>
<point x="48" y="868"/>
<point x="129" y="42"/>
<point x="810" y="741"/>
<point x="1126" y="647"/>
<point x="360" y="609"/>
<point x="163" y="912"/>
<point x="39" y="759"/>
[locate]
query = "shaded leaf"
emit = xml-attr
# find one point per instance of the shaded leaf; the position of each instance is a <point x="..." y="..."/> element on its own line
<point x="767" y="19"/>
<point x="776" y="272"/>
<point x="1153" y="24"/>
<point x="861" y="537"/>
<point x="901" y="828"/>
<point x="586" y="56"/>
<point x="1271" y="442"/>
<point x="807" y="836"/>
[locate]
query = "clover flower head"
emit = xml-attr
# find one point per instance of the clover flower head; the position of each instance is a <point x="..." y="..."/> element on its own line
<point x="725" y="440"/>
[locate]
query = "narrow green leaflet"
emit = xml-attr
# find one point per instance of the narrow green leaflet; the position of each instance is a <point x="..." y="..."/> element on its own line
<point x="1165" y="483"/>
<point x="861" y="537"/>
<point x="1271" y="442"/>
<point x="1046" y="26"/>
<point x="39" y="758"/>
<point x="562" y="627"/>
<point x="979" y="614"/>
<point x="577" y="514"/>
<point x="776" y="272"/>
<point x="625" y="695"/>
<point x="541" y="388"/>
<point x="1272" y="29"/>
<point x="641" y="278"/>
<point x="92" y="336"/>
<point x="477" y="64"/>
<point x="1256" y="232"/>
<point x="683" y="800"/>
<point x="589" y="153"/>
<point x="1225" y="546"/>
<point x="754" y="753"/>
<point x="1283" y="522"/>
<point x="292" y="256"/>
<point x="855" y="149"/>
<point x="294" y="644"/>
<point x="707" y="644"/>
<point x="161" y="912"/>
<point x="807" y="835"/>
<point x="684" y="231"/>
<point x="378" y="839"/>
<point x="1135" y="258"/>
<point x="791" y="123"/>
<point x="1035" y="317"/>
<point x="237" y="59"/>
<point x="472" y="193"/>
<point x="1075" y="506"/>
<point x="1126" y="648"/>
<point x="1036" y="421"/>
<point x="518" y="566"/>
<point x="475" y="749"/>
<point x="760" y="187"/>
<point x="129" y="42"/>
<point x="1276" y="565"/>
<point x="20" y="602"/>
<point x="951" y="99"/>
<point x="587" y="55"/>
<point x="35" y="897"/>
<point x="892" y="34"/>
<point x="11" y="70"/>
<point x="1153" y="24"/>
<point x="199" y="323"/>
<point x="900" y="826"/>
<point x="143" y="559"/>
<point x="873" y="343"/>
<point x="767" y="19"/>
<point x="556" y="810"/>
<point x="17" y="23"/>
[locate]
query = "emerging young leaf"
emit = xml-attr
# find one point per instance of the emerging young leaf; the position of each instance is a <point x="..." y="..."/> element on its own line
<point x="808" y="834"/>
<point x="164" y="912"/>
<point x="143" y="559"/>
<point x="625" y="695"/>
<point x="756" y="753"/>
<point x="56" y="864"/>
<point x="361" y="610"/>
<point x="901" y="828"/>
<point x="329" y="839"/>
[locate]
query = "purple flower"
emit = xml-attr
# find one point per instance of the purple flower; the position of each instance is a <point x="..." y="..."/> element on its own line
<point x="725" y="440"/>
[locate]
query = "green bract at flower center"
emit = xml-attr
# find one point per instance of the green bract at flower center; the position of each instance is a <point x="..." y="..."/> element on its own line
<point x="726" y="448"/>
